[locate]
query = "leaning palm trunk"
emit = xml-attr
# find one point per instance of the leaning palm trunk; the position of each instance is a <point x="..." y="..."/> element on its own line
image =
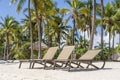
<point x="93" y="27"/>
<point x="31" y="33"/>
<point x="102" y="15"/>
<point x="89" y="18"/>
<point x="39" y="23"/>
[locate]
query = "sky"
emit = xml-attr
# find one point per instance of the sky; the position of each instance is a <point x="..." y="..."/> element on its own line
<point x="7" y="9"/>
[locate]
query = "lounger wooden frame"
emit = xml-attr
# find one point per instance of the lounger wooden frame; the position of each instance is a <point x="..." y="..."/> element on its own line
<point x="64" y="56"/>
<point x="88" y="59"/>
<point x="49" y="55"/>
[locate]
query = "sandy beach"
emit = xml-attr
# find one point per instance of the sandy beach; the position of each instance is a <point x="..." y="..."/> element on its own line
<point x="10" y="71"/>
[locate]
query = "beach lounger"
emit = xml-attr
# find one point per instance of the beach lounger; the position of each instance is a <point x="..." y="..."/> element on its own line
<point x="63" y="56"/>
<point x="49" y="55"/>
<point x="87" y="58"/>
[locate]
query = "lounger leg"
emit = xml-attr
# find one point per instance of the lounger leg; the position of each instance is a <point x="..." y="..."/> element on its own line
<point x="95" y="66"/>
<point x="51" y="65"/>
<point x="33" y="64"/>
<point x="89" y="63"/>
<point x="44" y="64"/>
<point x="103" y="64"/>
<point x="88" y="66"/>
<point x="20" y="64"/>
<point x="92" y="65"/>
<point x="69" y="66"/>
<point x="78" y="64"/>
<point x="66" y="64"/>
<point x="30" y="65"/>
<point x="54" y="65"/>
<point x="61" y="65"/>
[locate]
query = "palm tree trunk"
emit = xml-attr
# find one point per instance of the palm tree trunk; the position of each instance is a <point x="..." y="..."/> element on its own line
<point x="31" y="33"/>
<point x="113" y="43"/>
<point x="73" y="31"/>
<point x="90" y="27"/>
<point x="84" y="38"/>
<point x="48" y="37"/>
<point x="7" y="56"/>
<point x="93" y="26"/>
<point x="59" y="38"/>
<point x="39" y="23"/>
<point x="5" y="53"/>
<point x="109" y="43"/>
<point x="89" y="18"/>
<point x="102" y="16"/>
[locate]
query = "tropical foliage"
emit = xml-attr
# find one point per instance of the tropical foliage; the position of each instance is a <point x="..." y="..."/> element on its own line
<point x="45" y="23"/>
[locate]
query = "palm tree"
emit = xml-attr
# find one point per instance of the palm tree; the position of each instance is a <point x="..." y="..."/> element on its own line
<point x="43" y="14"/>
<point x="89" y="9"/>
<point x="116" y="19"/>
<point x="19" y="7"/>
<point x="75" y="5"/>
<point x="108" y="20"/>
<point x="93" y="26"/>
<point x="39" y="24"/>
<point x="56" y="31"/>
<point x="9" y="25"/>
<point x="102" y="16"/>
<point x="31" y="33"/>
<point x="2" y="49"/>
<point x="116" y="4"/>
<point x="17" y="42"/>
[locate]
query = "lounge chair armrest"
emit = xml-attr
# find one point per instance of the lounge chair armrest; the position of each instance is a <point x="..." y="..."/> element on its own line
<point x="37" y="60"/>
<point x="62" y="60"/>
<point x="73" y="60"/>
<point x="48" y="59"/>
<point x="24" y="60"/>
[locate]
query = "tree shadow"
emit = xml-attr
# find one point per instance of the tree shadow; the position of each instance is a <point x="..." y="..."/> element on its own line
<point x="86" y="70"/>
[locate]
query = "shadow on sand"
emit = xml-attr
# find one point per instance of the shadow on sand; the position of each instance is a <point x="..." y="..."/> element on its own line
<point x="85" y="70"/>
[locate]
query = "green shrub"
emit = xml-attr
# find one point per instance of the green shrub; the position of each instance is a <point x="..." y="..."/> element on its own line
<point x="117" y="49"/>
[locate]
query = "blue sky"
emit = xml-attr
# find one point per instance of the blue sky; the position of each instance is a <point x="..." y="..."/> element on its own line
<point x="7" y="9"/>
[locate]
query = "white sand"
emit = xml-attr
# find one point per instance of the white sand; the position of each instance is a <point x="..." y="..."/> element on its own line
<point x="10" y="71"/>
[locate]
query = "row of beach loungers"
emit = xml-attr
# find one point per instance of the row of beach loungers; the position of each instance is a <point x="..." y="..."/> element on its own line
<point x="64" y="58"/>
